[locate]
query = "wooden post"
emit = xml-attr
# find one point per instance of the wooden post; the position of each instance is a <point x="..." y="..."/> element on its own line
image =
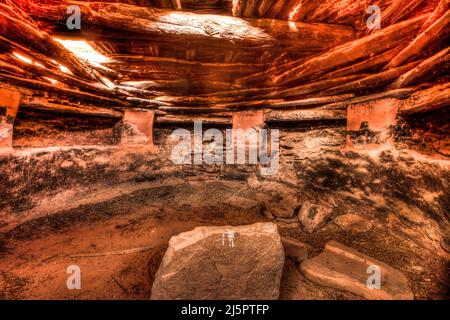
<point x="9" y="105"/>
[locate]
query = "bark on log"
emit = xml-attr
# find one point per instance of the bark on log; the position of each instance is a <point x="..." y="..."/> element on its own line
<point x="74" y="94"/>
<point x="383" y="40"/>
<point x="374" y="81"/>
<point x="249" y="8"/>
<point x="177" y="86"/>
<point x="64" y="78"/>
<point x="188" y="110"/>
<point x="11" y="46"/>
<point x="238" y="7"/>
<point x="263" y="7"/>
<point x="377" y="61"/>
<point x="11" y="9"/>
<point x="441" y="8"/>
<point x="338" y="11"/>
<point x="438" y="63"/>
<point x="200" y="77"/>
<point x="242" y="105"/>
<point x="304" y="115"/>
<point x="213" y="103"/>
<point x="212" y="30"/>
<point x="6" y="67"/>
<point x="275" y="9"/>
<point x="303" y="8"/>
<point x="198" y="101"/>
<point x="188" y="69"/>
<point x="438" y="30"/>
<point x="397" y="94"/>
<point x="427" y="100"/>
<point x="147" y="103"/>
<point x="82" y="110"/>
<point x="263" y="77"/>
<point x="397" y="10"/>
<point x="180" y="119"/>
<point x="287" y="9"/>
<point x="177" y="4"/>
<point x="309" y="102"/>
<point x="314" y="87"/>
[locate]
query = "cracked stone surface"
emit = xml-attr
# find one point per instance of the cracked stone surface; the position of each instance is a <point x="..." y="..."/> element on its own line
<point x="206" y="264"/>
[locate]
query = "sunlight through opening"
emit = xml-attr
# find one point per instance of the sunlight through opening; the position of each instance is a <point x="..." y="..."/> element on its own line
<point x="295" y="11"/>
<point x="83" y="50"/>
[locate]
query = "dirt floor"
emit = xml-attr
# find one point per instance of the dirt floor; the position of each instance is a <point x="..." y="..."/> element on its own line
<point x="34" y="256"/>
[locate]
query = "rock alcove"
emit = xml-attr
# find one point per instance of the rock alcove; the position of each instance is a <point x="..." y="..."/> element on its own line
<point x="355" y="114"/>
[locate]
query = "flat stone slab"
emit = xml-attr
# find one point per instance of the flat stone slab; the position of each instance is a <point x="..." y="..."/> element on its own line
<point x="218" y="263"/>
<point x="343" y="268"/>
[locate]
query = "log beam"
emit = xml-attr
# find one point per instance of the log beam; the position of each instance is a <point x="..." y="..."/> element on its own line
<point x="238" y="7"/>
<point x="249" y="8"/>
<point x="183" y="119"/>
<point x="70" y="93"/>
<point x="374" y="81"/>
<point x="81" y="110"/>
<point x="27" y="35"/>
<point x="275" y="9"/>
<point x="438" y="63"/>
<point x="380" y="41"/>
<point x="441" y="8"/>
<point x="396" y="94"/>
<point x="203" y="29"/>
<point x="305" y="115"/>
<point x="436" y="31"/>
<point x="434" y="98"/>
<point x="263" y="7"/>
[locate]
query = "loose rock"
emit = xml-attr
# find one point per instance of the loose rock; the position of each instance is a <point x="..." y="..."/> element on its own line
<point x="313" y="216"/>
<point x="343" y="268"/>
<point x="244" y="262"/>
<point x="295" y="249"/>
<point x="281" y="201"/>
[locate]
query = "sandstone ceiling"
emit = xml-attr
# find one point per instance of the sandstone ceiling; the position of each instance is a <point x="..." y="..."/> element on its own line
<point x="187" y="59"/>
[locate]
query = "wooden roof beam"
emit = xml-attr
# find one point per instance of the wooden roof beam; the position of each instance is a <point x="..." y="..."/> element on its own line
<point x="206" y="30"/>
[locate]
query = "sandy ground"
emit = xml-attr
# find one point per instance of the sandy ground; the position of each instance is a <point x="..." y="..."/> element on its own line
<point x="34" y="257"/>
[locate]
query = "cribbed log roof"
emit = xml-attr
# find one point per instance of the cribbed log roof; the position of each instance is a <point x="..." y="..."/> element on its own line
<point x="211" y="58"/>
